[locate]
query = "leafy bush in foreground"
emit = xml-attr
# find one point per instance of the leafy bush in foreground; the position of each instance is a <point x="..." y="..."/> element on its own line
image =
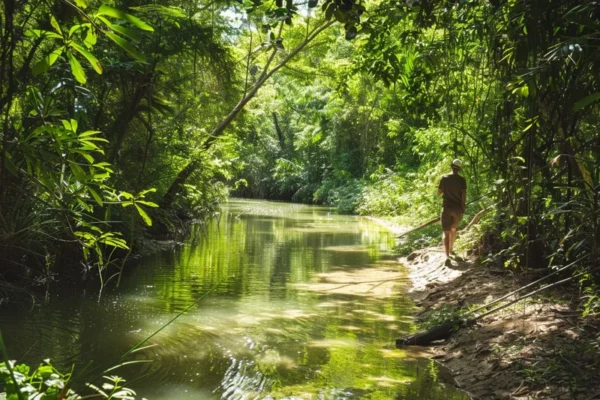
<point x="20" y="382"/>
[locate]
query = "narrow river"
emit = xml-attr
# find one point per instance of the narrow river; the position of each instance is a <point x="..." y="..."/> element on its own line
<point x="307" y="305"/>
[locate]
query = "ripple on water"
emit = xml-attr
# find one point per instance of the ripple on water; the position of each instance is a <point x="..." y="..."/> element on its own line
<point x="312" y="313"/>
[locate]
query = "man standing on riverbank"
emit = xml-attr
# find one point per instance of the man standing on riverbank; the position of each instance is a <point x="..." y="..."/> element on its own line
<point x="453" y="189"/>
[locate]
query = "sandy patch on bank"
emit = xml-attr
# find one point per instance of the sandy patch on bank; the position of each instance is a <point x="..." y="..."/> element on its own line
<point x="427" y="269"/>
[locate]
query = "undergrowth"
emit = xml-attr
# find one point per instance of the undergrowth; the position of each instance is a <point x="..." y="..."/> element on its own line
<point x="574" y="365"/>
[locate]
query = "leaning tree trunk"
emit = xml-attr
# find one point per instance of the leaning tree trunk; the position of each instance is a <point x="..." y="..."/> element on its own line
<point x="127" y="115"/>
<point x="177" y="184"/>
<point x="221" y="126"/>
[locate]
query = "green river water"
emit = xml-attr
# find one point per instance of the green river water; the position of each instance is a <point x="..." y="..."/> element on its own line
<point x="307" y="305"/>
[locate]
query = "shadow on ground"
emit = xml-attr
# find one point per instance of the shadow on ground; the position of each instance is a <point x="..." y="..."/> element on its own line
<point x="539" y="348"/>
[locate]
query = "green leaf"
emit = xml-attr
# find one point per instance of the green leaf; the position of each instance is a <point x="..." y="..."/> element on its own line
<point x="127" y="195"/>
<point x="47" y="62"/>
<point x="81" y="3"/>
<point x="88" y="133"/>
<point x="144" y="192"/>
<point x="101" y="177"/>
<point x="55" y="25"/>
<point x="85" y="155"/>
<point x="76" y="68"/>
<point x="85" y="145"/>
<point x="89" y="56"/>
<point x="22" y="368"/>
<point x="74" y="29"/>
<point x="95" y="196"/>
<point x="147" y="203"/>
<point x="113" y="12"/>
<point x="74" y="125"/>
<point x="94" y="139"/>
<point x="528" y="127"/>
<point x="585" y="101"/>
<point x="103" y="165"/>
<point x="144" y="216"/>
<point x="135" y="53"/>
<point x="91" y="38"/>
<point x="44" y="371"/>
<point x="317" y="137"/>
<point x="121" y="29"/>
<point x="77" y="171"/>
<point x="119" y="243"/>
<point x="41" y="33"/>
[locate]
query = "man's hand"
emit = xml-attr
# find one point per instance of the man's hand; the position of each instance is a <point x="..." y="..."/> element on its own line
<point x="440" y="191"/>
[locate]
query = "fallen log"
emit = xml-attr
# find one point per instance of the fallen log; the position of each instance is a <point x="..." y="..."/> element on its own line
<point x="424" y="338"/>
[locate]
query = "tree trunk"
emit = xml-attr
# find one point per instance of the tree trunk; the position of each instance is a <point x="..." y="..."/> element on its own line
<point x="6" y="74"/>
<point x="121" y="125"/>
<point x="177" y="184"/>
<point x="278" y="130"/>
<point x="221" y="126"/>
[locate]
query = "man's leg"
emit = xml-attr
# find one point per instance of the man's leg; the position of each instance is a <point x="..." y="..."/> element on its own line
<point x="446" y="220"/>
<point x="452" y="235"/>
<point x="456" y="218"/>
<point x="446" y="240"/>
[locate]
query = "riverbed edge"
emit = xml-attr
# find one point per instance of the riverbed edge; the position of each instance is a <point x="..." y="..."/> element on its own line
<point x="502" y="355"/>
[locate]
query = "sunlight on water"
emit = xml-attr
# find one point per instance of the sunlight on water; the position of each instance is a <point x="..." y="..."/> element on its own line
<point x="306" y="304"/>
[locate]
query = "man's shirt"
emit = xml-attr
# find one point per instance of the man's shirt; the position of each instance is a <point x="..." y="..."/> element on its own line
<point x="452" y="186"/>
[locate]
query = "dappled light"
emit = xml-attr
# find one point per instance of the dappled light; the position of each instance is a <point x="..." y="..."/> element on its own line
<point x="375" y="281"/>
<point x="288" y="315"/>
<point x="462" y="136"/>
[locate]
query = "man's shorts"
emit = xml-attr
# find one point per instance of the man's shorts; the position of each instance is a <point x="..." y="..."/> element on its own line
<point x="451" y="219"/>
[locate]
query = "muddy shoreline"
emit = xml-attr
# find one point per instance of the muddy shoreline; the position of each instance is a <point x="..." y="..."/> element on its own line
<point x="539" y="348"/>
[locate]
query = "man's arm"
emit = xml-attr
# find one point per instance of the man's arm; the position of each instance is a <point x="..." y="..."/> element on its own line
<point x="463" y="194"/>
<point x="441" y="187"/>
<point x="440" y="191"/>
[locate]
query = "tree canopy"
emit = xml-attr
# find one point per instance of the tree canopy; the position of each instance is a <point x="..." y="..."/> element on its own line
<point x="122" y="120"/>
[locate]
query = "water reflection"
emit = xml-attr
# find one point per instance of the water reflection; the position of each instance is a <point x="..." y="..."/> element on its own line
<point x="307" y="305"/>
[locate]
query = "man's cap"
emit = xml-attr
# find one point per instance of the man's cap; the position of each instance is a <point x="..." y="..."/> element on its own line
<point x="456" y="163"/>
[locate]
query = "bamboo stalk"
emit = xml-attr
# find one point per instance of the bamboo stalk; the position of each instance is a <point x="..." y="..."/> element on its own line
<point x="426" y="224"/>
<point x="532" y="293"/>
<point x="503" y="306"/>
<point x="526" y="286"/>
<point x="474" y="221"/>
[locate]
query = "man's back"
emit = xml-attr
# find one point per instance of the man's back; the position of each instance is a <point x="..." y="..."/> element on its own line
<point x="453" y="186"/>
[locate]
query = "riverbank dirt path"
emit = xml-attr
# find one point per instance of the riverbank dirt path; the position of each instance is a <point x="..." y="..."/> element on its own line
<point x="536" y="349"/>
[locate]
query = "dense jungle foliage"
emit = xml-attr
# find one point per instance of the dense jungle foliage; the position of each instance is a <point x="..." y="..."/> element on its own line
<point x="122" y="120"/>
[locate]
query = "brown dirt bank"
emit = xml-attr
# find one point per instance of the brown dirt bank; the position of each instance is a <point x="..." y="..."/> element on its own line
<point x="539" y="348"/>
